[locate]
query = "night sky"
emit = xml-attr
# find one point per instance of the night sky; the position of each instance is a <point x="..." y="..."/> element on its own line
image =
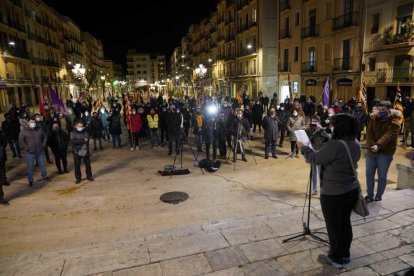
<point x="147" y="26"/>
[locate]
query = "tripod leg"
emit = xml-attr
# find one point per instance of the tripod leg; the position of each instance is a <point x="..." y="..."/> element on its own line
<point x="195" y="157"/>
<point x="254" y="158"/>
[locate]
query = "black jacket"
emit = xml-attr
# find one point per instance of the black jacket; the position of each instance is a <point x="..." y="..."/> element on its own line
<point x="114" y="124"/>
<point x="78" y="140"/>
<point x="174" y="122"/>
<point x="240" y="128"/>
<point x="58" y="141"/>
<point x="95" y="128"/>
<point x="11" y="129"/>
<point x="271" y="127"/>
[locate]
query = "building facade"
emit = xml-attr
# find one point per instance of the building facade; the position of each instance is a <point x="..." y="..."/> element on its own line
<point x="389" y="49"/>
<point x="238" y="46"/>
<point x="38" y="48"/>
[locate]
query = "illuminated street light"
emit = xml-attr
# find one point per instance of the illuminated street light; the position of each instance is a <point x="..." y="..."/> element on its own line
<point x="12" y="43"/>
<point x="210" y="60"/>
<point x="249" y="46"/>
<point x="201" y="70"/>
<point x="79" y="71"/>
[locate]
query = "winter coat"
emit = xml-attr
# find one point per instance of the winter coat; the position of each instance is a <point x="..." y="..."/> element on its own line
<point x="104" y="119"/>
<point x="114" y="124"/>
<point x="33" y="140"/>
<point x="174" y="121"/>
<point x="11" y="129"/>
<point x="95" y="128"/>
<point x="240" y="127"/>
<point x="384" y="133"/>
<point x="361" y="118"/>
<point x="257" y="113"/>
<point x="135" y="123"/>
<point x="79" y="140"/>
<point x="58" y="141"/>
<point x="293" y="124"/>
<point x="283" y="117"/>
<point x="163" y="118"/>
<point x="271" y="127"/>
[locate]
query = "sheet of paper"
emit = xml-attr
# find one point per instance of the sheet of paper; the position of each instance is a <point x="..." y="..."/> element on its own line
<point x="303" y="138"/>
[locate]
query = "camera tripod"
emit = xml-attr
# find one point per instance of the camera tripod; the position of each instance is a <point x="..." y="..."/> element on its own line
<point x="306" y="227"/>
<point x="182" y="141"/>
<point x="238" y="142"/>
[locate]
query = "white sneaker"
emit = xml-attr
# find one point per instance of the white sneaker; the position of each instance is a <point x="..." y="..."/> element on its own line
<point x="137" y="148"/>
<point x="132" y="149"/>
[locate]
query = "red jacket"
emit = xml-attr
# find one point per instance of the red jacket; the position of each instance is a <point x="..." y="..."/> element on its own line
<point x="134" y="124"/>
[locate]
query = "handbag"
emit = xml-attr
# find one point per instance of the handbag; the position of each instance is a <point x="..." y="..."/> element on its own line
<point x="83" y="151"/>
<point x="361" y="206"/>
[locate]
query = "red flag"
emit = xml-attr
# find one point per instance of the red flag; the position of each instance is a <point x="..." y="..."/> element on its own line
<point x="290" y="87"/>
<point x="41" y="104"/>
<point x="128" y="112"/>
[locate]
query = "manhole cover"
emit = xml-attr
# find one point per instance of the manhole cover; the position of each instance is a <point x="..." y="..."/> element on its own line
<point x="174" y="197"/>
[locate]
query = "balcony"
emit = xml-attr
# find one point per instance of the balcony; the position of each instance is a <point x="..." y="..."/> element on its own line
<point x="284" y="67"/>
<point x="241" y="4"/>
<point x="247" y="52"/>
<point x="310" y="31"/>
<point x="309" y="67"/>
<point x="45" y="62"/>
<point x="17" y="3"/>
<point x="229" y="57"/>
<point x="345" y="21"/>
<point x="343" y="64"/>
<point x="230" y="38"/>
<point x="15" y="52"/>
<point x="12" y="24"/>
<point x="402" y="74"/>
<point x="285" y="5"/>
<point x="252" y="24"/>
<point x="45" y="79"/>
<point x="284" y="34"/>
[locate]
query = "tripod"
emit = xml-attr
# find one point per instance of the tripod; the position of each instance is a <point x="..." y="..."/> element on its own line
<point x="238" y="142"/>
<point x="182" y="141"/>
<point x="306" y="226"/>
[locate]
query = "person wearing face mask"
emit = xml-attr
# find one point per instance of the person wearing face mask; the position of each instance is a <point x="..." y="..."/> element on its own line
<point x="153" y="124"/>
<point x="222" y="135"/>
<point x="257" y="115"/>
<point x="382" y="134"/>
<point x="282" y="116"/>
<point x="134" y="125"/>
<point x="162" y="115"/>
<point x="95" y="130"/>
<point x="34" y="140"/>
<point x="79" y="138"/>
<point x="271" y="128"/>
<point x="174" y="123"/>
<point x="11" y="130"/>
<point x="198" y="122"/>
<point x="361" y="117"/>
<point x="115" y="128"/>
<point x="105" y="124"/>
<point x="58" y="143"/>
<point x="240" y="128"/>
<point x="295" y="122"/>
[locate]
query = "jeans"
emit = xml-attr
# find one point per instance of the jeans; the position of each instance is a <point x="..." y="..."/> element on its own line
<point x="30" y="160"/>
<point x="316" y="169"/>
<point x="171" y="137"/>
<point x="239" y="145"/>
<point x="155" y="137"/>
<point x="381" y="164"/>
<point x="337" y="210"/>
<point x="105" y="133"/>
<point x="61" y="160"/>
<point x="270" y="144"/>
<point x="163" y="133"/>
<point x="116" y="138"/>
<point x="77" y="161"/>
<point x="199" y="141"/>
<point x="99" y="141"/>
<point x="294" y="147"/>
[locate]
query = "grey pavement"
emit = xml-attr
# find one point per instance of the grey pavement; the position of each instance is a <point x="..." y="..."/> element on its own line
<point x="383" y="245"/>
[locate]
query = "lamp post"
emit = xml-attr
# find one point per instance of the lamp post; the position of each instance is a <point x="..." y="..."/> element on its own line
<point x="79" y="71"/>
<point x="103" y="87"/>
<point x="200" y="71"/>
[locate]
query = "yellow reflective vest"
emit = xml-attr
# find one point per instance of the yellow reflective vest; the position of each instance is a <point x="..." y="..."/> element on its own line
<point x="152" y="121"/>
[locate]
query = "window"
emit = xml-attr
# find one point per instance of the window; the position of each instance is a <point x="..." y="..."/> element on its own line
<point x="144" y="72"/>
<point x="138" y="65"/>
<point x="254" y="14"/>
<point x="403" y="14"/>
<point x="285" y="60"/>
<point x="296" y="55"/>
<point x="254" y="66"/>
<point x="311" y="55"/>
<point x="247" y="19"/>
<point x="375" y="23"/>
<point x="286" y="24"/>
<point x="371" y="64"/>
<point x="297" y="19"/>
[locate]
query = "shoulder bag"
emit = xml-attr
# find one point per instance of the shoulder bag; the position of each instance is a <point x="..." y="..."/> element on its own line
<point x="361" y="206"/>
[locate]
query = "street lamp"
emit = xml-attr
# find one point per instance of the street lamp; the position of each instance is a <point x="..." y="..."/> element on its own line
<point x="200" y="71"/>
<point x="103" y="87"/>
<point x="79" y="71"/>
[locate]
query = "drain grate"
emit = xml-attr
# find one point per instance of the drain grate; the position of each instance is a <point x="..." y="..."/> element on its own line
<point x="174" y="197"/>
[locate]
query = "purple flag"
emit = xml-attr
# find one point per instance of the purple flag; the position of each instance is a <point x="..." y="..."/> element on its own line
<point x="55" y="99"/>
<point x="325" y="93"/>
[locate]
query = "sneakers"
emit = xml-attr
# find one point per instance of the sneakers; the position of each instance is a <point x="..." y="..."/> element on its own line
<point x="346" y="260"/>
<point x="369" y="199"/>
<point x="326" y="260"/>
<point x="132" y="149"/>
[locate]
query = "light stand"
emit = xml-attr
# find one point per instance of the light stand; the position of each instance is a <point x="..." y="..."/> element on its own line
<point x="306" y="226"/>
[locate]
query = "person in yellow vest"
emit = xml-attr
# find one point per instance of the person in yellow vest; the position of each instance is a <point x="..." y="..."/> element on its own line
<point x="153" y="122"/>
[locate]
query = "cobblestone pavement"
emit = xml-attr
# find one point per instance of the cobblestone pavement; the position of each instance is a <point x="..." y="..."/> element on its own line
<point x="234" y="222"/>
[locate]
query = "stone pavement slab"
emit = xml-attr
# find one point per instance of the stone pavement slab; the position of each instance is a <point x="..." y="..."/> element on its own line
<point x="408" y="259"/>
<point x="265" y="268"/>
<point x="146" y="270"/>
<point x="361" y="271"/>
<point x="380" y="242"/>
<point x="399" y="251"/>
<point x="262" y="250"/>
<point x="234" y="271"/>
<point x="365" y="261"/>
<point x="249" y="234"/>
<point x="226" y="258"/>
<point x="389" y="266"/>
<point x="190" y="265"/>
<point x="170" y="248"/>
<point x="301" y="262"/>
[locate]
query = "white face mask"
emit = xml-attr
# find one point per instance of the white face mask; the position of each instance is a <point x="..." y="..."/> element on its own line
<point x="80" y="129"/>
<point x="86" y="113"/>
<point x="239" y="116"/>
<point x="225" y="105"/>
<point x="38" y="119"/>
<point x="295" y="114"/>
<point x="134" y="112"/>
<point x="32" y="125"/>
<point x="282" y="108"/>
